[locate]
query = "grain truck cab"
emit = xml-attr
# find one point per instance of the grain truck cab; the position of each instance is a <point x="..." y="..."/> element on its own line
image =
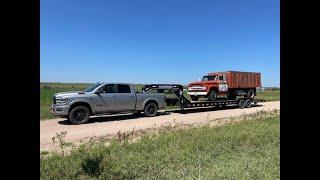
<point x="210" y="86"/>
<point x="229" y="83"/>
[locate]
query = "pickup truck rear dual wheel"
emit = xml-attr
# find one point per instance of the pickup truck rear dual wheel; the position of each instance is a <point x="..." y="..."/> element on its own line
<point x="79" y="115"/>
<point x="150" y="109"/>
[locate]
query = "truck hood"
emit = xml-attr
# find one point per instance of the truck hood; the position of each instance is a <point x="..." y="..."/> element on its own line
<point x="200" y="83"/>
<point x="69" y="93"/>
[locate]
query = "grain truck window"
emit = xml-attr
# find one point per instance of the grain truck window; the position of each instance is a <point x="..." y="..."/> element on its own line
<point x="209" y="78"/>
<point x="205" y="78"/>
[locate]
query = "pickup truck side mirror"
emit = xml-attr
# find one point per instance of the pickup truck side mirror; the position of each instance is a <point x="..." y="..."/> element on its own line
<point x="100" y="90"/>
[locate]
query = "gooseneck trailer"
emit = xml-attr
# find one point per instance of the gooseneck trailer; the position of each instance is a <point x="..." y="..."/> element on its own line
<point x="113" y="98"/>
<point x="183" y="102"/>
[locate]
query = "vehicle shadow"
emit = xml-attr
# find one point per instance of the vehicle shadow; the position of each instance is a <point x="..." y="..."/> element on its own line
<point x="114" y="117"/>
<point x="206" y="109"/>
<point x="120" y="117"/>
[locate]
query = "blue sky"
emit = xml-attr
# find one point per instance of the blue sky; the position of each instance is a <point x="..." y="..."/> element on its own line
<point x="158" y="41"/>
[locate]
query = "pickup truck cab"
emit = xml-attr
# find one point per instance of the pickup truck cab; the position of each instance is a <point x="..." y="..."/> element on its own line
<point x="105" y="98"/>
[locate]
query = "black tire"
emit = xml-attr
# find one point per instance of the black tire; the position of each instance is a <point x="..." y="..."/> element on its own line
<point x="250" y="93"/>
<point x="79" y="115"/>
<point x="242" y="104"/>
<point x="150" y="109"/>
<point x="248" y="103"/>
<point x="212" y="95"/>
<point x="194" y="98"/>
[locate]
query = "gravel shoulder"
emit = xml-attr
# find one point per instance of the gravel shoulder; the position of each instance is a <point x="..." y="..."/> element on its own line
<point x="109" y="125"/>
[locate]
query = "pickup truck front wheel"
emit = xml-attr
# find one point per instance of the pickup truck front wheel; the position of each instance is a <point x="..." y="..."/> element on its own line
<point x="150" y="109"/>
<point x="79" y="115"/>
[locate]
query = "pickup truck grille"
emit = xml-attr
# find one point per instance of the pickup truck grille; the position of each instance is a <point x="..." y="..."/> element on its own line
<point x="54" y="100"/>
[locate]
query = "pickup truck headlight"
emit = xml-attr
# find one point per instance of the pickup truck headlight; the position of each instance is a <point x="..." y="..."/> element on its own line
<point x="61" y="101"/>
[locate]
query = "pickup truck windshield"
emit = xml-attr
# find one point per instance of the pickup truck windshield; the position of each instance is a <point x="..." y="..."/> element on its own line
<point x="209" y="78"/>
<point x="92" y="87"/>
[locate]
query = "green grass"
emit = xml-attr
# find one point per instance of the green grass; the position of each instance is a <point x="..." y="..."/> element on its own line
<point x="269" y="95"/>
<point x="244" y="150"/>
<point x="47" y="90"/>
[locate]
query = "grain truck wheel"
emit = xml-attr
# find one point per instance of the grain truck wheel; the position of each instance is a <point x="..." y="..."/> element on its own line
<point x="150" y="109"/>
<point x="79" y="115"/>
<point x="194" y="98"/>
<point x="242" y="104"/>
<point x="248" y="103"/>
<point x="212" y="95"/>
<point x="250" y="93"/>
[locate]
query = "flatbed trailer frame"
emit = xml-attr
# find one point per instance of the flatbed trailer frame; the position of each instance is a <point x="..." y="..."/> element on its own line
<point x="177" y="89"/>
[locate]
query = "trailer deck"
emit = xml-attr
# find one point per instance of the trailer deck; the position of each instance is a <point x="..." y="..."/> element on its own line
<point x="177" y="89"/>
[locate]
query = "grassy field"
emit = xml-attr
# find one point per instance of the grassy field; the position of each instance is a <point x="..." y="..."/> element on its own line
<point x="269" y="95"/>
<point x="47" y="90"/>
<point x="245" y="150"/>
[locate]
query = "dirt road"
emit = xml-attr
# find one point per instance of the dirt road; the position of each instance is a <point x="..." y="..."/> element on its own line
<point x="111" y="124"/>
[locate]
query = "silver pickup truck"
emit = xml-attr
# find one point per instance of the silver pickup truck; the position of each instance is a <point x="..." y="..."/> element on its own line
<point x="105" y="98"/>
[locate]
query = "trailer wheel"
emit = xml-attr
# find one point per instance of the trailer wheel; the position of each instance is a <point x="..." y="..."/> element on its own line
<point x="150" y="109"/>
<point x="212" y="95"/>
<point x="248" y="103"/>
<point x="194" y="98"/>
<point x="242" y="104"/>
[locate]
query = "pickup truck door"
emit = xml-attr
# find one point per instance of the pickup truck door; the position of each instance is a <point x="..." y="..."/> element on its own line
<point x="105" y="101"/>
<point x="125" y="98"/>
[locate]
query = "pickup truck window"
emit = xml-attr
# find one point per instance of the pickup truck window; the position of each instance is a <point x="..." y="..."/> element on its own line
<point x="109" y="88"/>
<point x="123" y="88"/>
<point x="92" y="87"/>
